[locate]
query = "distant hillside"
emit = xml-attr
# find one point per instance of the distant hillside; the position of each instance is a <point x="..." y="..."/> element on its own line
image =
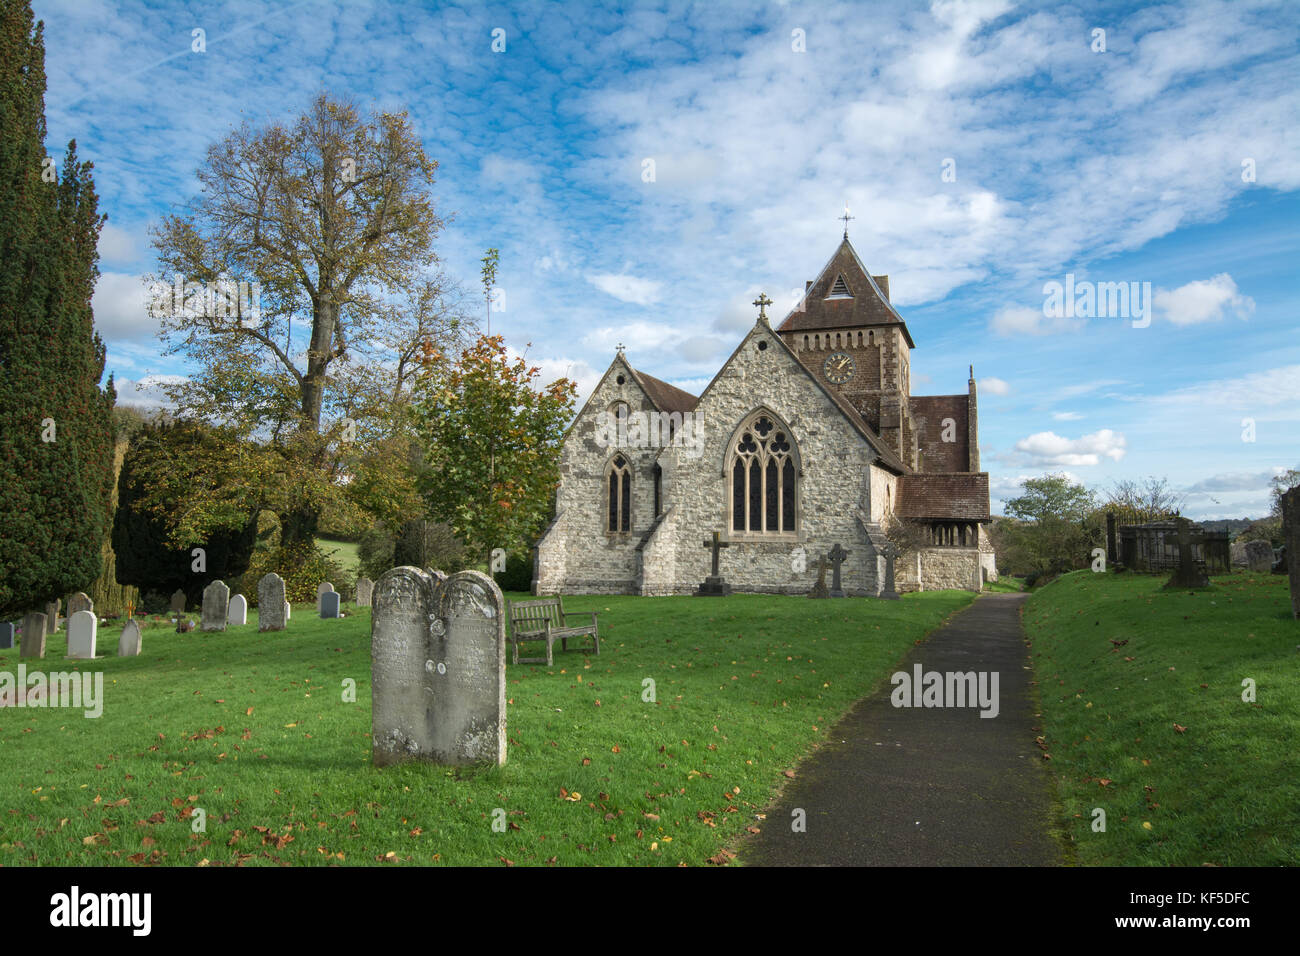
<point x="1234" y="526"/>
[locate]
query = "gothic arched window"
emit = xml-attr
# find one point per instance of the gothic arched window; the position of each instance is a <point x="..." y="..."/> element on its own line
<point x="619" y="501"/>
<point x="764" y="478"/>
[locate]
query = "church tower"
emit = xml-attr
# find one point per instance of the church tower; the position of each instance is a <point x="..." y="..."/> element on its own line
<point x="847" y="332"/>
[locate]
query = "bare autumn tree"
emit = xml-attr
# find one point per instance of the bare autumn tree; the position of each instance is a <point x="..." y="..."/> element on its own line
<point x="332" y="223"/>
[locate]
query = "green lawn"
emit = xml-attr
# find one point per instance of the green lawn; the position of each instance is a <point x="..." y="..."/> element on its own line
<point x="253" y="729"/>
<point x="1154" y="730"/>
<point x="344" y="552"/>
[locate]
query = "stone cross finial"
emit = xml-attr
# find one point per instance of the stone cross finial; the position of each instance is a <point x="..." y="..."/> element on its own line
<point x="762" y="302"/>
<point x="847" y="219"/>
<point x="620" y="348"/>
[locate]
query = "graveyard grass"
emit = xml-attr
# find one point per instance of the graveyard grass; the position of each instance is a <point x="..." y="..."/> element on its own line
<point x="1155" y="731"/>
<point x="252" y="728"/>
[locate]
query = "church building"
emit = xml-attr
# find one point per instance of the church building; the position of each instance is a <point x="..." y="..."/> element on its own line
<point x="807" y="437"/>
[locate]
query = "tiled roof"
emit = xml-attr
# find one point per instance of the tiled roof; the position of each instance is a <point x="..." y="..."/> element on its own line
<point x="956" y="496"/>
<point x="667" y="398"/>
<point x="867" y="304"/>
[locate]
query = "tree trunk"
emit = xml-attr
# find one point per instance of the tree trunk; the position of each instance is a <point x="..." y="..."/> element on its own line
<point x="298" y="528"/>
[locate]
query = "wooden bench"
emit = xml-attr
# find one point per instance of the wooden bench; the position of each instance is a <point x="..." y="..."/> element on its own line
<point x="546" y="620"/>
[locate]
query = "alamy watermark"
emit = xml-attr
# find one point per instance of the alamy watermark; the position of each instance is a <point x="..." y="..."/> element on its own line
<point x="76" y="689"/>
<point x="223" y="299"/>
<point x="1098" y="300"/>
<point x="951" y="689"/>
<point x="683" y="430"/>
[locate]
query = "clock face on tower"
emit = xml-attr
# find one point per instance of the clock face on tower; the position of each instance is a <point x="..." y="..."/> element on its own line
<point x="839" y="368"/>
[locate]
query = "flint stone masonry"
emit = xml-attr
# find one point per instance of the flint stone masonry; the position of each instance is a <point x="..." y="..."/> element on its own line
<point x="216" y="605"/>
<point x="238" y="613"/>
<point x="365" y="589"/>
<point x="131" y="642"/>
<point x="329" y="605"/>
<point x="33" y="643"/>
<point x="272" y="610"/>
<point x="80" y="602"/>
<point x="438" y="668"/>
<point x="83" y="629"/>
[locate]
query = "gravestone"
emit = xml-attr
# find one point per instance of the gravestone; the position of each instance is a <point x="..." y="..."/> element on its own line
<point x="216" y="605"/>
<point x="1190" y="573"/>
<point x="178" y="601"/>
<point x="1239" y="555"/>
<point x="131" y="641"/>
<point x="837" y="556"/>
<point x="819" y="589"/>
<point x="714" y="585"/>
<point x="6" y="635"/>
<point x="33" y="643"/>
<point x="237" y="616"/>
<point x="83" y="629"/>
<point x="288" y="611"/>
<point x="80" y="602"/>
<point x="52" y="617"/>
<point x="365" y="588"/>
<point x="321" y="590"/>
<point x="1259" y="556"/>
<point x="1291" y="539"/>
<point x="438" y="675"/>
<point x="329" y="605"/>
<point x="889" y="594"/>
<point x="1112" y="547"/>
<point x="272" y="609"/>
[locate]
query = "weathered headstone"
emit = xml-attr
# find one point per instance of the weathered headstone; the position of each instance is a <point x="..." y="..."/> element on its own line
<point x="80" y="602"/>
<point x="714" y="585"/>
<point x="889" y="594"/>
<point x="33" y="643"/>
<point x="438" y="676"/>
<point x="1239" y="555"/>
<point x="1190" y="573"/>
<point x="6" y="635"/>
<point x="272" y="609"/>
<point x="52" y="617"/>
<point x="1259" y="556"/>
<point x="288" y="611"/>
<point x="837" y="556"/>
<point x="83" y="629"/>
<point x="216" y="605"/>
<point x="819" y="589"/>
<point x="237" y="615"/>
<point x="365" y="588"/>
<point x="1291" y="539"/>
<point x="321" y="590"/>
<point x="178" y="601"/>
<point x="131" y="641"/>
<point x="329" y="605"/>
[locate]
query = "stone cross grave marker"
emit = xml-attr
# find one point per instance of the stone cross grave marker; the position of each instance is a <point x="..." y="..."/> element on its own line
<point x="52" y="617"/>
<point x="272" y="609"/>
<point x="438" y="668"/>
<point x="6" y="635"/>
<point x="131" y="641"/>
<point x="321" y="590"/>
<point x="714" y="585"/>
<point x="365" y="589"/>
<point x="329" y="605"/>
<point x="1291" y="544"/>
<point x="178" y="601"/>
<point x="33" y="644"/>
<point x="83" y="629"/>
<point x="891" y="554"/>
<point x="837" y="556"/>
<point x="80" y="602"/>
<point x="819" y="589"/>
<point x="237" y="616"/>
<point x="1188" y="574"/>
<point x="216" y="605"/>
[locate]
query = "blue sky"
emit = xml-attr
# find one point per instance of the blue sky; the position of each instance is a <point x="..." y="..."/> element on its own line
<point x="1171" y="157"/>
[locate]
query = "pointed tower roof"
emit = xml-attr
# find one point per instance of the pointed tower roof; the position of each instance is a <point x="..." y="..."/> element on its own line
<point x="844" y="295"/>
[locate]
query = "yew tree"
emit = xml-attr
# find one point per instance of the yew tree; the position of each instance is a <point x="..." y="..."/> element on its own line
<point x="331" y="222"/>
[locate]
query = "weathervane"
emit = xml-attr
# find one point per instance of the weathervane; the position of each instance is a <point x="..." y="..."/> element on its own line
<point x="762" y="302"/>
<point x="847" y="218"/>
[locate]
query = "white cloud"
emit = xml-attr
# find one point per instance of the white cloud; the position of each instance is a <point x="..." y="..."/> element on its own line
<point x="1270" y="387"/>
<point x="147" y="392"/>
<point x="994" y="386"/>
<point x="627" y="288"/>
<point x="1205" y="300"/>
<point x="1049" y="448"/>
<point x="116" y="245"/>
<point x="1067" y="416"/>
<point x="1022" y="320"/>
<point x="121" y="306"/>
